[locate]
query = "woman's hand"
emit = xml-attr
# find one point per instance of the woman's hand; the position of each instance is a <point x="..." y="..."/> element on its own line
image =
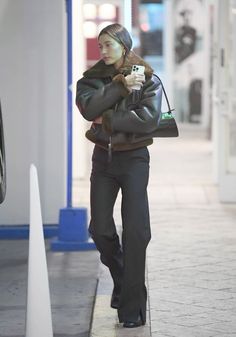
<point x="134" y="80"/>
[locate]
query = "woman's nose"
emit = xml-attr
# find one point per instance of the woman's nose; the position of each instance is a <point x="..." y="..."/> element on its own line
<point x="103" y="51"/>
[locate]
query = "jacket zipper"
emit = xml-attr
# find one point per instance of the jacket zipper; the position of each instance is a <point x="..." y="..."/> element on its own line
<point x="110" y="150"/>
<point x="110" y="141"/>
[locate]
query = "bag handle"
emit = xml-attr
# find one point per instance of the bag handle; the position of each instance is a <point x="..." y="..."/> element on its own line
<point x="168" y="104"/>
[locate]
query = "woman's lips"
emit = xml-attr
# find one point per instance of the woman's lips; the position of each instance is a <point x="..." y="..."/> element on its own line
<point x="106" y="58"/>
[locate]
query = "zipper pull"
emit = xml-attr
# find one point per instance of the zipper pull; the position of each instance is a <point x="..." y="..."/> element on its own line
<point x="109" y="151"/>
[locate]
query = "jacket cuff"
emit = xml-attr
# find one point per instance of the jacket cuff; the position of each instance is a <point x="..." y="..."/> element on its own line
<point x="121" y="79"/>
<point x="107" y="121"/>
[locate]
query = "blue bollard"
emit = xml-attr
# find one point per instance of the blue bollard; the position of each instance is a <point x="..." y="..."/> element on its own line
<point x="72" y="231"/>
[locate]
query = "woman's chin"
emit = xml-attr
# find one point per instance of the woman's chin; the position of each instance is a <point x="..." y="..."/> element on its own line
<point x="107" y="62"/>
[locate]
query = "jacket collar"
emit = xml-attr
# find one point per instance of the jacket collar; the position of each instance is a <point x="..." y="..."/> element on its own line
<point x="101" y="70"/>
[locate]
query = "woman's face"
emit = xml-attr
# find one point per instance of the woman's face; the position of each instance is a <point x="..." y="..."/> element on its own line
<point x="111" y="51"/>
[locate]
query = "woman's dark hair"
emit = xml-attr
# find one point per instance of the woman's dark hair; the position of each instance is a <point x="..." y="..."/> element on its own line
<point x="120" y="34"/>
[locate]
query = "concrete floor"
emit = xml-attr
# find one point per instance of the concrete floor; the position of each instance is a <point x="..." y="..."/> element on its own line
<point x="72" y="281"/>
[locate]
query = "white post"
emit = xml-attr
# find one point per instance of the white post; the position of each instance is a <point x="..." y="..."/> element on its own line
<point x="38" y="315"/>
<point x="215" y="95"/>
<point x="128" y="15"/>
<point x="169" y="49"/>
<point x="78" y="67"/>
<point x="206" y="72"/>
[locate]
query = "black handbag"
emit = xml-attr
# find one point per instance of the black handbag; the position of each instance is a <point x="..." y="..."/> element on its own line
<point x="166" y="124"/>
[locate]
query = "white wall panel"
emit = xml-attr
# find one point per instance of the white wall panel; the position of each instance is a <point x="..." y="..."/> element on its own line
<point x="33" y="95"/>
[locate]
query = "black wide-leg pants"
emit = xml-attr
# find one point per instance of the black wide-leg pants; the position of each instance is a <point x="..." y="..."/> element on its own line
<point x="128" y="171"/>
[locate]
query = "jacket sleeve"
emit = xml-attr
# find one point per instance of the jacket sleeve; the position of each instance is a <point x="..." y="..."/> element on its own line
<point x="136" y="115"/>
<point x="93" y="97"/>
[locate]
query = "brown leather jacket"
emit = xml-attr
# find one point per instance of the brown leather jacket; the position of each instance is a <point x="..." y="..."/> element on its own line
<point x="128" y="119"/>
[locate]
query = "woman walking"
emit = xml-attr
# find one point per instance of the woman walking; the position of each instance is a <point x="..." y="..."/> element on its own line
<point x="123" y="119"/>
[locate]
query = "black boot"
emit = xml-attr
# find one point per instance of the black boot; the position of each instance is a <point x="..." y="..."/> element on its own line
<point x="134" y="324"/>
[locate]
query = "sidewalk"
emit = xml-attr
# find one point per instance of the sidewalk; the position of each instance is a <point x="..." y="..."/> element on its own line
<point x="72" y="281"/>
<point x="191" y="259"/>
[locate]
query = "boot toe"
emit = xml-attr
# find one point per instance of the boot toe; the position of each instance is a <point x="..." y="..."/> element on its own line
<point x="133" y="324"/>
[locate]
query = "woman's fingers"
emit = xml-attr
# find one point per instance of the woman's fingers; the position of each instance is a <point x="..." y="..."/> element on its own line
<point x="139" y="78"/>
<point x="135" y="79"/>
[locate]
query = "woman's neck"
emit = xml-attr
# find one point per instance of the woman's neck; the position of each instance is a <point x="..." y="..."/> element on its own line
<point x="119" y="63"/>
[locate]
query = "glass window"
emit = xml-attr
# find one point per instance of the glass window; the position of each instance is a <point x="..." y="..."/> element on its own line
<point x="90" y="29"/>
<point x="90" y="11"/>
<point x="107" y="11"/>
